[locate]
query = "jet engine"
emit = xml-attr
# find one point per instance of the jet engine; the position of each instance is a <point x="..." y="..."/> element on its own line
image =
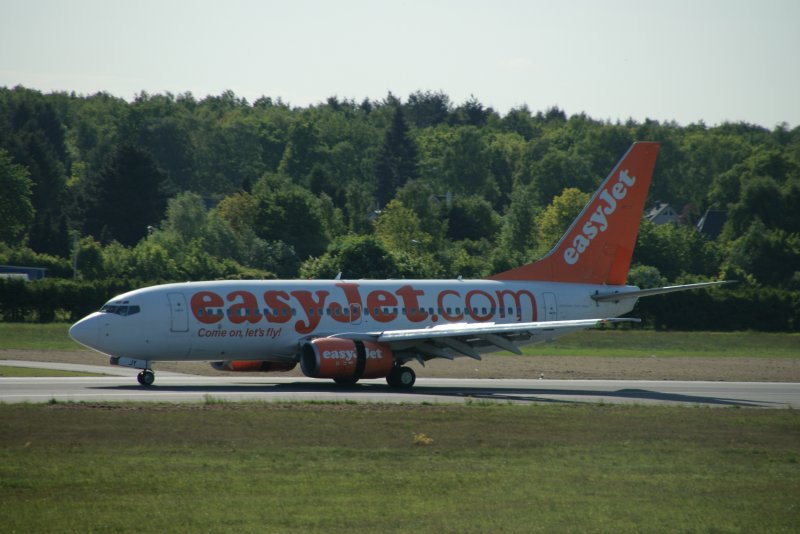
<point x="245" y="366"/>
<point x="345" y="360"/>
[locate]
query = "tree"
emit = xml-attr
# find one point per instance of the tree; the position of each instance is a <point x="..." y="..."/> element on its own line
<point x="399" y="229"/>
<point x="467" y="161"/>
<point x="125" y="198"/>
<point x="472" y="217"/>
<point x="239" y="210"/>
<point x="89" y="259"/>
<point x="32" y="132"/>
<point x="558" y="215"/>
<point x="471" y="113"/>
<point x="557" y="170"/>
<point x="302" y="151"/>
<point x="359" y="206"/>
<point x="675" y="250"/>
<point x="292" y="214"/>
<point x="427" y="109"/>
<point x="186" y="216"/>
<point x="506" y="158"/>
<point x="771" y="256"/>
<point x="420" y="197"/>
<point x="16" y="209"/>
<point x="397" y="158"/>
<point x="354" y="257"/>
<point x="518" y="237"/>
<point x="161" y="125"/>
<point x="518" y="120"/>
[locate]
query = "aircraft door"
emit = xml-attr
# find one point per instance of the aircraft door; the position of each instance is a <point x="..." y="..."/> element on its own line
<point x="550" y="307"/>
<point x="179" y="315"/>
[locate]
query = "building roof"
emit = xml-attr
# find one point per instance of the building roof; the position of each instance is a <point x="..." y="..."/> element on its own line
<point x="661" y="213"/>
<point x="711" y="223"/>
<point x="29" y="273"/>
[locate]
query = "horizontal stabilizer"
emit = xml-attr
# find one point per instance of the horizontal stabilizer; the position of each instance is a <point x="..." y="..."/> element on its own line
<point x="622" y="295"/>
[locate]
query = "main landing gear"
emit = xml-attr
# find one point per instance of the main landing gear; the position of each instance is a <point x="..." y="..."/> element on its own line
<point x="146" y="378"/>
<point x="401" y="377"/>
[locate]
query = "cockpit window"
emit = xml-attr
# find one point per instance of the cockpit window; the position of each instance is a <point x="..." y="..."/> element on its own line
<point x="120" y="309"/>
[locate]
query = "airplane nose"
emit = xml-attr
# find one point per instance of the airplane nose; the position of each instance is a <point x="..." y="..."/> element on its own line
<point x="85" y="331"/>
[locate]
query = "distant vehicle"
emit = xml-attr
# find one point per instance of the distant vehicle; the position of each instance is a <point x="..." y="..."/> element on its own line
<point x="347" y="330"/>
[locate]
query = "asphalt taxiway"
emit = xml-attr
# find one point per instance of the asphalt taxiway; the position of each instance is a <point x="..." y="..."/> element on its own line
<point x="174" y="387"/>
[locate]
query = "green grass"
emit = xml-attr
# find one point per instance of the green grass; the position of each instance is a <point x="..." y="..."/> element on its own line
<point x="46" y="336"/>
<point x="639" y="343"/>
<point x="344" y="468"/>
<point x="8" y="371"/>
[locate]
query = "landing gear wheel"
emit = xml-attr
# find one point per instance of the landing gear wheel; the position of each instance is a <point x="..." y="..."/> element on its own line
<point x="345" y="380"/>
<point x="401" y="378"/>
<point x="146" y="378"/>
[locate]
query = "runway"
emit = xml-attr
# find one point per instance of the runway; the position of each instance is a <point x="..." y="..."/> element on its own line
<point x="187" y="388"/>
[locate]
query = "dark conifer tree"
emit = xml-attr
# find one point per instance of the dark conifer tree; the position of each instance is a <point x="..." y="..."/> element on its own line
<point x="397" y="158"/>
<point x="126" y="197"/>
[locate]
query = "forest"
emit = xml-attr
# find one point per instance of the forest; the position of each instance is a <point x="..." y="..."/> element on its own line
<point x="109" y="195"/>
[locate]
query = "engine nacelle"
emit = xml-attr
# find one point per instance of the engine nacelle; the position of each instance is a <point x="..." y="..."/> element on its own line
<point x="250" y="366"/>
<point x="330" y="357"/>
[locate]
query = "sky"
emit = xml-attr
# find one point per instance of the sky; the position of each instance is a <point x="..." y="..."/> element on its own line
<point x="679" y="60"/>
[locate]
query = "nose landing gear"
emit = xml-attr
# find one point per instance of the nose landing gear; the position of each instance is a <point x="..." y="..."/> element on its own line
<point x="146" y="377"/>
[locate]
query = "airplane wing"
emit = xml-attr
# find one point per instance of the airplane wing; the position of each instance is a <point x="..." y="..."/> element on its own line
<point x="469" y="339"/>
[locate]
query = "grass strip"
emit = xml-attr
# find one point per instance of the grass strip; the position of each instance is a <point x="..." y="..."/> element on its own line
<point x="10" y="371"/>
<point x="34" y="336"/>
<point x="645" y="343"/>
<point x="341" y="467"/>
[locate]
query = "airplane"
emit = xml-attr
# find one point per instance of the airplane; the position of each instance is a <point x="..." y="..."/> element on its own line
<point x="347" y="330"/>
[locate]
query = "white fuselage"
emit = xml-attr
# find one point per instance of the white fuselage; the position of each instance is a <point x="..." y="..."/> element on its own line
<point x="268" y="320"/>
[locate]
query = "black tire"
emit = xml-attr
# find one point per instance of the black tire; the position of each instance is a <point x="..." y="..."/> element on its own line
<point x="401" y="378"/>
<point x="146" y="378"/>
<point x="406" y="378"/>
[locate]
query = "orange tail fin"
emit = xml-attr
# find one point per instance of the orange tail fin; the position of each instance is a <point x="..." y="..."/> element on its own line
<point x="597" y="247"/>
